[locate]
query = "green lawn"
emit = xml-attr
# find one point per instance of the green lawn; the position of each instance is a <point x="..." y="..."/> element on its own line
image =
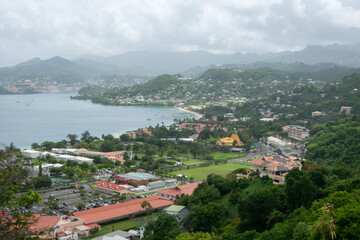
<point x="190" y="162"/>
<point x="123" y="225"/>
<point x="225" y="156"/>
<point x="201" y="173"/>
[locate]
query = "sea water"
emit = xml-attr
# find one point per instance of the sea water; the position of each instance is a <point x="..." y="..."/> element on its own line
<point x="25" y="119"/>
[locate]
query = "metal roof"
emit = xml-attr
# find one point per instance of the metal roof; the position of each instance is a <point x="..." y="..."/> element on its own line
<point x="282" y="168"/>
<point x="137" y="176"/>
<point x="175" y="208"/>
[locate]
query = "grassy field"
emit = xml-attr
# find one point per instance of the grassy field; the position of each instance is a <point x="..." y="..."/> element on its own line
<point x="201" y="173"/>
<point x="190" y="162"/>
<point x="123" y="225"/>
<point x="225" y="156"/>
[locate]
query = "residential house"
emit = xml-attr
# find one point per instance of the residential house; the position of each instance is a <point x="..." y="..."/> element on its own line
<point x="275" y="166"/>
<point x="347" y="110"/>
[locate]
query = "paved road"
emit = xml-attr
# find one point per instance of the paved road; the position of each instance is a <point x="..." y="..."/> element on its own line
<point x="259" y="150"/>
<point x="243" y="159"/>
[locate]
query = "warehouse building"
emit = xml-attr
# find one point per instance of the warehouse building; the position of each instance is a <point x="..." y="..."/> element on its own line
<point x="156" y="184"/>
<point x="135" y="179"/>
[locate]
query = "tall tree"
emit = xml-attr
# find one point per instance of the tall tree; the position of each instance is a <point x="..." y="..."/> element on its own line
<point x="11" y="183"/>
<point x="85" y="136"/>
<point x="299" y="189"/>
<point x="72" y="138"/>
<point x="164" y="227"/>
<point x="208" y="218"/>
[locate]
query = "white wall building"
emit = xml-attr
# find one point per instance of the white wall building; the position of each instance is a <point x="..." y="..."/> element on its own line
<point x="31" y="153"/>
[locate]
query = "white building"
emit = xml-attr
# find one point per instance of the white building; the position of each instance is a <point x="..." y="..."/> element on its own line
<point x="277" y="142"/>
<point x="31" y="153"/>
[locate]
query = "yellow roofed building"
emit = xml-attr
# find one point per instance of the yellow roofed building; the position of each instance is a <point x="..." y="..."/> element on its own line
<point x="228" y="141"/>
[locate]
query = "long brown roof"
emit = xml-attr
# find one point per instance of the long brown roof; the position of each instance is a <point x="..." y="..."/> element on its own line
<point x="118" y="210"/>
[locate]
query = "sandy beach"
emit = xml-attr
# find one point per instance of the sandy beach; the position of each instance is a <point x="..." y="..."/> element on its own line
<point x="199" y="115"/>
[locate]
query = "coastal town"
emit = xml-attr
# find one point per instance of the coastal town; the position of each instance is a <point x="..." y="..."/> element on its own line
<point x="123" y="186"/>
<point x="111" y="186"/>
<point x="179" y="120"/>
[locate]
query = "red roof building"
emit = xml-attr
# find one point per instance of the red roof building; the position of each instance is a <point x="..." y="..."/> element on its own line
<point x="110" y="188"/>
<point x="120" y="210"/>
<point x="44" y="223"/>
<point x="171" y="193"/>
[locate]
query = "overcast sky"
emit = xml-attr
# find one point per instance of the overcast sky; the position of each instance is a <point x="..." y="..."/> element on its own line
<point x="69" y="28"/>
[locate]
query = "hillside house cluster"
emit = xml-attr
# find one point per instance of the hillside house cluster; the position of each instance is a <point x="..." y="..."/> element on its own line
<point x="275" y="166"/>
<point x="199" y="127"/>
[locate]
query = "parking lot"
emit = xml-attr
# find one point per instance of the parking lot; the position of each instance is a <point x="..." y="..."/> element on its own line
<point x="69" y="200"/>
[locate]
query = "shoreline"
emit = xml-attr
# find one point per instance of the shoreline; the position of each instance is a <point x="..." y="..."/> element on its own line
<point x="199" y="115"/>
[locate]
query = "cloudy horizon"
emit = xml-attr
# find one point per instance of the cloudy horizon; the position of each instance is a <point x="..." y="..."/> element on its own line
<point x="70" y="29"/>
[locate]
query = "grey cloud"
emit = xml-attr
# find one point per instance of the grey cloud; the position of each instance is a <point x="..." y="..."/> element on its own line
<point x="71" y="28"/>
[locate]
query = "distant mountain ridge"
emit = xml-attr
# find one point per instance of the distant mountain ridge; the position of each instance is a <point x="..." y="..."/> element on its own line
<point x="312" y="58"/>
<point x="178" y="62"/>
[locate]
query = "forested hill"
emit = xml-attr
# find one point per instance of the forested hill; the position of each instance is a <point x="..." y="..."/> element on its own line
<point x="329" y="75"/>
<point x="328" y="99"/>
<point x="337" y="143"/>
<point x="218" y="84"/>
<point x="57" y="68"/>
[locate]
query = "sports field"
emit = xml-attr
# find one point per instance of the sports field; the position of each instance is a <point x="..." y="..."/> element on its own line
<point x="201" y="173"/>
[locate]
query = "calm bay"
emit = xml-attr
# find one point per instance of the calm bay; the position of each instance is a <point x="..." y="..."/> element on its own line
<point x="25" y="119"/>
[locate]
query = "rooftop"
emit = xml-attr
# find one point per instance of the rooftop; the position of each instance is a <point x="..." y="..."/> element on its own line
<point x="276" y="163"/>
<point x="137" y="176"/>
<point x="186" y="189"/>
<point x="109" y="185"/>
<point x="175" y="208"/>
<point x="118" y="210"/>
<point x="42" y="222"/>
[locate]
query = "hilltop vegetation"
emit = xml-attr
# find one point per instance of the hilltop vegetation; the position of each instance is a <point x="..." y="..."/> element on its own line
<point x="218" y="85"/>
<point x="304" y="208"/>
<point x="337" y="143"/>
